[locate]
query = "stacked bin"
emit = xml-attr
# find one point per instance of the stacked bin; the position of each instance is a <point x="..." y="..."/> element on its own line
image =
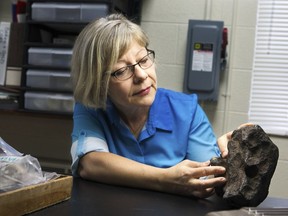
<point x="47" y="73"/>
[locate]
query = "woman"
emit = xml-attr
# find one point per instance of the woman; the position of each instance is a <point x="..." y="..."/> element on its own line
<point x="126" y="130"/>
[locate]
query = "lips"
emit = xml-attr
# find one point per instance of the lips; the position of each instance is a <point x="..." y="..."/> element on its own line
<point x="143" y="92"/>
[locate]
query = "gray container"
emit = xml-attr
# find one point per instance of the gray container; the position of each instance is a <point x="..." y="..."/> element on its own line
<point x="68" y="12"/>
<point x="54" y="80"/>
<point x="56" y="102"/>
<point x="56" y="57"/>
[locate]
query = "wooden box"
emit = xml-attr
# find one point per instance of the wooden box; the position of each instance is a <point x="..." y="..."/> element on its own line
<point x="31" y="198"/>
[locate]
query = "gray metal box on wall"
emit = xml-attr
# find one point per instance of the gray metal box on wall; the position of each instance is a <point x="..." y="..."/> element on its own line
<point x="203" y="57"/>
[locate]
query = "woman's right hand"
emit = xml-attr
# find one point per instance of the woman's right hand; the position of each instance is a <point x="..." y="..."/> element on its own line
<point x="192" y="178"/>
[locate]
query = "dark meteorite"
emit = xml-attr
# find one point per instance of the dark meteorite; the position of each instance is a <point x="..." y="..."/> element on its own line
<point x="250" y="165"/>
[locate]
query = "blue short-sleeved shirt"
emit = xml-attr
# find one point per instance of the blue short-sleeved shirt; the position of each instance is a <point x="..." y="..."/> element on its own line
<point x="176" y="129"/>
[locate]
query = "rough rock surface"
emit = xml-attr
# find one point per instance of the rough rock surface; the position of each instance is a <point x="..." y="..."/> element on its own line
<point x="250" y="165"/>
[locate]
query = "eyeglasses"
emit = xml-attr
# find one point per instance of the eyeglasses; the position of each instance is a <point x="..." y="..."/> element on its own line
<point x="127" y="72"/>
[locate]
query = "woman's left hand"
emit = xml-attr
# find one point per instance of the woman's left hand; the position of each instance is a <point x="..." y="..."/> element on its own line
<point x="224" y="139"/>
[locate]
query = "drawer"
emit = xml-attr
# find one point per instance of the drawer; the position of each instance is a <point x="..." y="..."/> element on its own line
<point x="56" y="80"/>
<point x="56" y="57"/>
<point x="41" y="101"/>
<point x="68" y="12"/>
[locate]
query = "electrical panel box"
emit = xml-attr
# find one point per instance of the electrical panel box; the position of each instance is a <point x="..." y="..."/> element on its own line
<point x="203" y="58"/>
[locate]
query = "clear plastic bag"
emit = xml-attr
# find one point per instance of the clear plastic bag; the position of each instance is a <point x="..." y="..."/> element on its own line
<point x="7" y="150"/>
<point x="18" y="170"/>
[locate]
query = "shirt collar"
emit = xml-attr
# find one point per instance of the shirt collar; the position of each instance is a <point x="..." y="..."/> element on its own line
<point x="160" y="113"/>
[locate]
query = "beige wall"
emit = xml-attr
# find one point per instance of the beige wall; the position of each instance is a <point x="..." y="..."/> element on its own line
<point x="166" y="23"/>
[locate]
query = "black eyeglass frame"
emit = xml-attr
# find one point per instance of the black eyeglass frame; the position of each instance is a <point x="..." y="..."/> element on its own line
<point x="132" y="67"/>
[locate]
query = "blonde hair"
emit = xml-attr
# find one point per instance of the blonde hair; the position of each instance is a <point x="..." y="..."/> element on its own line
<point x="96" y="50"/>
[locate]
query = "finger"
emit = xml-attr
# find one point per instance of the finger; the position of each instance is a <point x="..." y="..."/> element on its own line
<point x="203" y="193"/>
<point x="203" y="184"/>
<point x="223" y="142"/>
<point x="194" y="164"/>
<point x="245" y="124"/>
<point x="205" y="188"/>
<point x="207" y="171"/>
<point x="229" y="135"/>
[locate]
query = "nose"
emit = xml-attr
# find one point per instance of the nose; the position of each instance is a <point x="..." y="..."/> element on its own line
<point x="139" y="74"/>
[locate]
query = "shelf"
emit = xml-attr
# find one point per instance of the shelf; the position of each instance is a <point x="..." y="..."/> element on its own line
<point x="52" y="40"/>
<point x="27" y="66"/>
<point x="60" y="27"/>
<point x="48" y="45"/>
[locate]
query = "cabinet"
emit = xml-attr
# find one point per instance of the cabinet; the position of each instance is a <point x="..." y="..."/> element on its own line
<point x="42" y="124"/>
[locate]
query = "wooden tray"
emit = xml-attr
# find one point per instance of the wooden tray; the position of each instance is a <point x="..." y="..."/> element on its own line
<point x="32" y="198"/>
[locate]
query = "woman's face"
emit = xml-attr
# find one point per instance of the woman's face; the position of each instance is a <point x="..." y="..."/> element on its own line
<point x="139" y="90"/>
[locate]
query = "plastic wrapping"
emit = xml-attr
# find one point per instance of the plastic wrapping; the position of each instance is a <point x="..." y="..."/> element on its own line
<point x="18" y="170"/>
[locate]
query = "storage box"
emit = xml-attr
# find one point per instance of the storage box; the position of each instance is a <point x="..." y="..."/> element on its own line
<point x="68" y="12"/>
<point x="57" y="80"/>
<point x="49" y="102"/>
<point x="35" y="197"/>
<point x="13" y="76"/>
<point x="55" y="57"/>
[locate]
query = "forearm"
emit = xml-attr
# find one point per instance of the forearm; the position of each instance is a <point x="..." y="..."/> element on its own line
<point x="182" y="178"/>
<point x="113" y="169"/>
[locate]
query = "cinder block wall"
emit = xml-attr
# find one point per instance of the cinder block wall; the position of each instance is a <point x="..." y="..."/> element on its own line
<point x="166" y="23"/>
